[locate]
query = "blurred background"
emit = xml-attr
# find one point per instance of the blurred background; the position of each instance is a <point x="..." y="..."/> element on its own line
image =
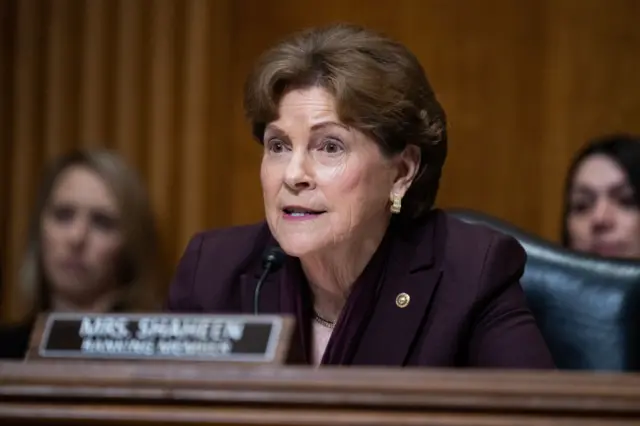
<point x="525" y="83"/>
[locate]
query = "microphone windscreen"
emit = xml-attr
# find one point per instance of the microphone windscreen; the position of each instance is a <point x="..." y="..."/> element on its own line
<point x="273" y="256"/>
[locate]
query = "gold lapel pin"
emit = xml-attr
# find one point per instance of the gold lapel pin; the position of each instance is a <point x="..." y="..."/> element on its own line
<point x="402" y="300"/>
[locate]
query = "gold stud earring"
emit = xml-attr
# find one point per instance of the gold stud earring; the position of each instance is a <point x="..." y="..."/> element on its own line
<point x="396" y="203"/>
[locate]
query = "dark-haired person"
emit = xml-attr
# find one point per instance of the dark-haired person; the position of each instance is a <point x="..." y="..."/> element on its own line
<point x="92" y="245"/>
<point x="354" y="143"/>
<point x="602" y="198"/>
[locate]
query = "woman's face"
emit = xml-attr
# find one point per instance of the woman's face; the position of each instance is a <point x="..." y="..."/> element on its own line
<point x="323" y="182"/>
<point x="81" y="236"/>
<point x="603" y="216"/>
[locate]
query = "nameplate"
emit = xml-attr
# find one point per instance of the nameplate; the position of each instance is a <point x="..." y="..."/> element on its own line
<point x="163" y="337"/>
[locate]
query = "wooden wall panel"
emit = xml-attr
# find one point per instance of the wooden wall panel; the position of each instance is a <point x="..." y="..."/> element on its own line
<point x="480" y="63"/>
<point x="166" y="24"/>
<point x="61" y="75"/>
<point x="146" y="78"/>
<point x="591" y="87"/>
<point x="7" y="33"/>
<point x="524" y="84"/>
<point x="97" y="46"/>
<point x="26" y="138"/>
<point x="130" y="75"/>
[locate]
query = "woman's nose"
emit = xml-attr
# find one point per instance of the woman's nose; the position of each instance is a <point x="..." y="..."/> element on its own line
<point x="77" y="232"/>
<point x="297" y="176"/>
<point x="603" y="215"/>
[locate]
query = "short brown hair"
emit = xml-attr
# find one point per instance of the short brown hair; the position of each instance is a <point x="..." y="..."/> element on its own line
<point x="139" y="270"/>
<point x="380" y="88"/>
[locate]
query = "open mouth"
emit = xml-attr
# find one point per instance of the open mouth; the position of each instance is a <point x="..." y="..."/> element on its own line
<point x="300" y="212"/>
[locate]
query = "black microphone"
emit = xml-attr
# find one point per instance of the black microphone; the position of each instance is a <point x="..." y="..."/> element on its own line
<point x="272" y="260"/>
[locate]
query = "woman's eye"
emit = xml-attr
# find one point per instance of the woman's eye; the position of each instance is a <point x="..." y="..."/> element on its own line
<point x="627" y="201"/>
<point x="332" y="147"/>
<point x="579" y="206"/>
<point x="104" y="222"/>
<point x="275" y="146"/>
<point x="63" y="213"/>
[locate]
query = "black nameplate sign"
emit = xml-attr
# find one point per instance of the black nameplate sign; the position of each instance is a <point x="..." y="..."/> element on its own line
<point x="234" y="338"/>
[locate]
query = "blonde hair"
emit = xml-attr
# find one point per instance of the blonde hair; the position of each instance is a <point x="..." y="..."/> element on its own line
<point x="140" y="265"/>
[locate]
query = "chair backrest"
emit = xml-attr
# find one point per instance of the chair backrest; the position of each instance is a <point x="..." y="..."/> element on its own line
<point x="587" y="307"/>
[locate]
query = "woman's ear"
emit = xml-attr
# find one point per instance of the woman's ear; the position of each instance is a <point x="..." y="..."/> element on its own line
<point x="408" y="166"/>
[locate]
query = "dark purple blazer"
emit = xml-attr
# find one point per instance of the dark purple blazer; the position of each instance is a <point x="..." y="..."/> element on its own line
<point x="466" y="305"/>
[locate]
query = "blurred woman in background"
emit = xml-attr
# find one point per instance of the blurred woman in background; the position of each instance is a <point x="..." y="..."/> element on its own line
<point x="92" y="244"/>
<point x="602" y="198"/>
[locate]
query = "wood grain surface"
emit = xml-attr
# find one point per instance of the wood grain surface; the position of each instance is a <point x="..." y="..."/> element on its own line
<point x="139" y="393"/>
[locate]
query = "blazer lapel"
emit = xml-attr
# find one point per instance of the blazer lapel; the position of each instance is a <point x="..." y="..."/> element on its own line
<point x="410" y="279"/>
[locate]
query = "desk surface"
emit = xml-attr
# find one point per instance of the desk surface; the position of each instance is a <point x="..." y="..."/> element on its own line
<point x="118" y="392"/>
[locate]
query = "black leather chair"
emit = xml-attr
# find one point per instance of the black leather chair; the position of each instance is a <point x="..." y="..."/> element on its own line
<point x="588" y="308"/>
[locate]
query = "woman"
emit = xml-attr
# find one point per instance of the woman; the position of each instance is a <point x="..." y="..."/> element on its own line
<point x="92" y="244"/>
<point x="602" y="198"/>
<point x="354" y="143"/>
